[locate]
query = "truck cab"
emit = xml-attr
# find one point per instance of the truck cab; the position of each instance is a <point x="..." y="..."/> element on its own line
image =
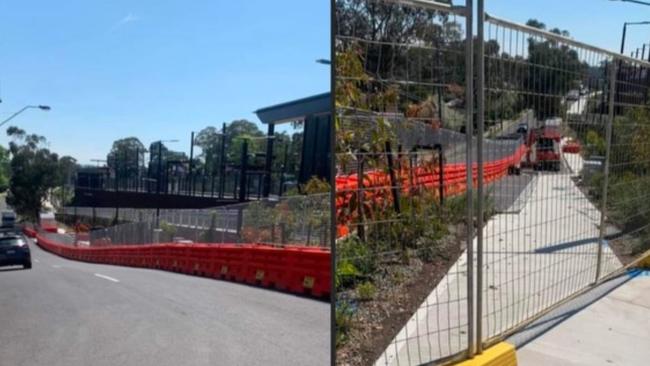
<point x="545" y="152"/>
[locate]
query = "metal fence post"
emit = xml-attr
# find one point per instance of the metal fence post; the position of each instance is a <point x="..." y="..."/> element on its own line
<point x="243" y="182"/>
<point x="469" y="124"/>
<point x="361" y="232"/>
<point x="608" y="137"/>
<point x="480" y="101"/>
<point x="393" y="180"/>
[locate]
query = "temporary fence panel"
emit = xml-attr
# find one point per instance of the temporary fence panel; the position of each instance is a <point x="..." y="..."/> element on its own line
<point x="551" y="169"/>
<point x="293" y="220"/>
<point x="400" y="100"/>
<point x="547" y="249"/>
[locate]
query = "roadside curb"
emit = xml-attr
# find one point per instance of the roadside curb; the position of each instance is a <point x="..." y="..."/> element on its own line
<point x="501" y="354"/>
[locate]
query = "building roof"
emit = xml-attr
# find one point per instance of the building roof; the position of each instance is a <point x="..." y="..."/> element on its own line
<point x="295" y="110"/>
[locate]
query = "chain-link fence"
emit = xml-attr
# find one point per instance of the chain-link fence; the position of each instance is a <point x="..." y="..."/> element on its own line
<point x="294" y="220"/>
<point x="546" y="136"/>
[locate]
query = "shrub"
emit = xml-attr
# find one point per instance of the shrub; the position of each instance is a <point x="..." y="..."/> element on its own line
<point x="354" y="251"/>
<point x="344" y="313"/>
<point x="168" y="229"/>
<point x="346" y="274"/>
<point x="366" y="291"/>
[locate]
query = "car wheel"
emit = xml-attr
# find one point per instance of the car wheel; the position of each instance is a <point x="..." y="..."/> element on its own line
<point x="27" y="265"/>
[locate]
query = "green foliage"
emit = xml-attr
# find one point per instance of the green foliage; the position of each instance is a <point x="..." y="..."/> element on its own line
<point x="168" y="229"/>
<point x="545" y="83"/>
<point x="366" y="291"/>
<point x="595" y="144"/>
<point x="157" y="149"/>
<point x="209" y="236"/>
<point x="5" y="169"/>
<point x="343" y="315"/>
<point x="127" y="156"/>
<point x="316" y="185"/>
<point x="346" y="274"/>
<point x="209" y="140"/>
<point x="61" y="196"/>
<point x="35" y="171"/>
<point x="355" y="260"/>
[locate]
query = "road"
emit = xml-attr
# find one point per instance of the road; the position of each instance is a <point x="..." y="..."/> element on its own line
<point x="70" y="313"/>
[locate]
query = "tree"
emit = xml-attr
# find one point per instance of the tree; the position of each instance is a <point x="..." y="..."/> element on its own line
<point x="209" y="140"/>
<point x="167" y="156"/>
<point x="385" y="27"/>
<point x="5" y="169"/>
<point x="35" y="172"/>
<point x="67" y="169"/>
<point x="544" y="84"/>
<point x="126" y="157"/>
<point x="236" y="132"/>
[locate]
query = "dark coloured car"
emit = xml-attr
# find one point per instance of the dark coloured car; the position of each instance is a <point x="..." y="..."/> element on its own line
<point x="14" y="250"/>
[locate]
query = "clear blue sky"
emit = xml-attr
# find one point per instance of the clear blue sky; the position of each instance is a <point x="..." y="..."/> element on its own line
<point x="160" y="69"/>
<point x="154" y="69"/>
<point x="598" y="22"/>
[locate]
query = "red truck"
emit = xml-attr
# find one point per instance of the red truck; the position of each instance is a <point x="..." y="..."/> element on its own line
<point x="544" y="146"/>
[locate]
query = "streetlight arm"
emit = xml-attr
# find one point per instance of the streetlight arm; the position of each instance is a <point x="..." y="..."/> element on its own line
<point x="41" y="107"/>
<point x="636" y="2"/>
<point x="15" y="114"/>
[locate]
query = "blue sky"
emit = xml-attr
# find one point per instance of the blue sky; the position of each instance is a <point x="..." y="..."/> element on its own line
<point x="598" y="22"/>
<point x="154" y="69"/>
<point x="161" y="69"/>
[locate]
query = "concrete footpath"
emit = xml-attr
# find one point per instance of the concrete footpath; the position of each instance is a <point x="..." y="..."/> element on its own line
<point x="613" y="330"/>
<point x="535" y="256"/>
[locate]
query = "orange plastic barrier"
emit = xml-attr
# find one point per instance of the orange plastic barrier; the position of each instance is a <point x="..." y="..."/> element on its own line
<point x="377" y="185"/>
<point x="296" y="269"/>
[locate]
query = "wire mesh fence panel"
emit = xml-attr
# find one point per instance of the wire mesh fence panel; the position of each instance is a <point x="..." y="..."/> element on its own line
<point x="400" y="189"/>
<point x="548" y="245"/>
<point x="293" y="220"/>
<point x="626" y="225"/>
<point x="558" y="154"/>
<point x="106" y="214"/>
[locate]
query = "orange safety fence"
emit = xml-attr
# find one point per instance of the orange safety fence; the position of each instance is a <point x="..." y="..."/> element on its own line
<point x="377" y="184"/>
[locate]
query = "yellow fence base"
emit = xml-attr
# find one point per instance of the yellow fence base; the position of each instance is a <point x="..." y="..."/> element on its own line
<point x="645" y="262"/>
<point x="501" y="354"/>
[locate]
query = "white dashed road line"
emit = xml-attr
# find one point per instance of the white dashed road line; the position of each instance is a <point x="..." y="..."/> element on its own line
<point x="106" y="277"/>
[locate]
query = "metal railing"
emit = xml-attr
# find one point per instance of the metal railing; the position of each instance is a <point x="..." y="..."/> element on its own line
<point x="452" y="170"/>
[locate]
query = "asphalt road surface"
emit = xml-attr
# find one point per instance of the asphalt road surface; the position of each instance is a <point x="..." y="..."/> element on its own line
<point x="70" y="313"/>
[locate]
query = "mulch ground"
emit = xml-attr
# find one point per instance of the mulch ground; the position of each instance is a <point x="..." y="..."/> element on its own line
<point x="401" y="289"/>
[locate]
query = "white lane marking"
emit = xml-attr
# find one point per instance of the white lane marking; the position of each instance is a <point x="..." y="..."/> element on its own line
<point x="56" y="266"/>
<point x="106" y="277"/>
<point x="37" y="261"/>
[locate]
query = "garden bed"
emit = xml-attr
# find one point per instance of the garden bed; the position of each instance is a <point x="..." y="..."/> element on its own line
<point x="400" y="287"/>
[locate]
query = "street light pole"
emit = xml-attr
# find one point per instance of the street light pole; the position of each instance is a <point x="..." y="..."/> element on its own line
<point x="623" y="37"/>
<point x="41" y="107"/>
<point x="625" y="32"/>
